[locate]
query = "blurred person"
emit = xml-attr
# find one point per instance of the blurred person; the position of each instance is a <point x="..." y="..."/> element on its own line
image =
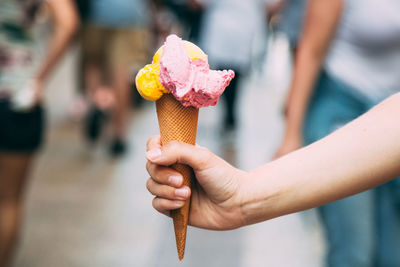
<point x="115" y="46"/>
<point x="190" y="13"/>
<point x="22" y="75"/>
<point x="291" y="20"/>
<point x="164" y="22"/>
<point x="228" y="32"/>
<point x="347" y="61"/>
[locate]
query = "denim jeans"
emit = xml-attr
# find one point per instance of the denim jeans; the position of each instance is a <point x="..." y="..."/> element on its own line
<point x="362" y="230"/>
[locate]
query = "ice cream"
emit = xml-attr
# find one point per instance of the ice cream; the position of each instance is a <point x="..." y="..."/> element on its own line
<point x="191" y="81"/>
<point x="148" y="83"/>
<point x="180" y="81"/>
<point x="191" y="49"/>
<point x="181" y="68"/>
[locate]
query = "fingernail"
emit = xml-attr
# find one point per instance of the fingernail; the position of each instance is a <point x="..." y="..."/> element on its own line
<point x="153" y="154"/>
<point x="175" y="180"/>
<point x="179" y="203"/>
<point x="182" y="192"/>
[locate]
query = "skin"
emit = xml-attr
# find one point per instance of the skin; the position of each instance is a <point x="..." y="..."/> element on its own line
<point x="322" y="19"/>
<point x="13" y="176"/>
<point x="65" y="23"/>
<point x="227" y="198"/>
<point x="14" y="167"/>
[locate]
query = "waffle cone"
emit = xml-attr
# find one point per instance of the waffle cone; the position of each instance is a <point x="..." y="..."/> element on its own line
<point x="178" y="123"/>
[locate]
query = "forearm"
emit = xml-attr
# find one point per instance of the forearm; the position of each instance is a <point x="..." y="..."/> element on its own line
<point x="65" y="25"/>
<point x="363" y="154"/>
<point x="306" y="70"/>
<point x="322" y="18"/>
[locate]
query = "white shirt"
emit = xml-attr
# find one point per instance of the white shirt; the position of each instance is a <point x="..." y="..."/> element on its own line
<point x="229" y="30"/>
<point x="365" y="53"/>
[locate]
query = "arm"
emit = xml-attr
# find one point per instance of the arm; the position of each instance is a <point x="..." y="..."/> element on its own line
<point x="363" y="154"/>
<point x="320" y="25"/>
<point x="66" y="22"/>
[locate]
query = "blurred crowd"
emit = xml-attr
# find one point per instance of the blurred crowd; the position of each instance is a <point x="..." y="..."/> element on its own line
<point x="346" y="58"/>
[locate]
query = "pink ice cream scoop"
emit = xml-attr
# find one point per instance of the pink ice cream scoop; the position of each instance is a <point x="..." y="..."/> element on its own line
<point x="191" y="81"/>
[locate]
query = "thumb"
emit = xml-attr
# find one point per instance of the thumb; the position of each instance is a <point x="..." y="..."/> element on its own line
<point x="197" y="157"/>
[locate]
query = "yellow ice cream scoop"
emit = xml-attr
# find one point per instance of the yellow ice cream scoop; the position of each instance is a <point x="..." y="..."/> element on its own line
<point x="148" y="83"/>
<point x="148" y="79"/>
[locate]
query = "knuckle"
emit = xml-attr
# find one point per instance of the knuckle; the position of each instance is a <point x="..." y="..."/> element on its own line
<point x="149" y="167"/>
<point x="148" y="184"/>
<point x="155" y="203"/>
<point x="173" y="145"/>
<point x="148" y="143"/>
<point x="159" y="204"/>
<point x="204" y="150"/>
<point x="154" y="170"/>
<point x="151" y="141"/>
<point x="158" y="174"/>
<point x="164" y="192"/>
<point x="205" y="157"/>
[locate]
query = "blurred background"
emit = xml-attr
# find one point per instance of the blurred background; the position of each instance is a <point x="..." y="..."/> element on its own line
<point x="86" y="203"/>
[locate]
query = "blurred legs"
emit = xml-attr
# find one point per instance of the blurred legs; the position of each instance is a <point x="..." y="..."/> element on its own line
<point x="122" y="97"/>
<point x="112" y="55"/>
<point x="13" y="174"/>
<point x="92" y="78"/>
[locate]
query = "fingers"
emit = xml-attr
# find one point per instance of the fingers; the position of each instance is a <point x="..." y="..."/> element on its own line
<point x="198" y="158"/>
<point x="164" y="205"/>
<point x="165" y="183"/>
<point x="167" y="197"/>
<point x="167" y="192"/>
<point x="164" y="175"/>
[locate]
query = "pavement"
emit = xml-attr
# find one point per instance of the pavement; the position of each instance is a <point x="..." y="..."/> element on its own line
<point x="85" y="209"/>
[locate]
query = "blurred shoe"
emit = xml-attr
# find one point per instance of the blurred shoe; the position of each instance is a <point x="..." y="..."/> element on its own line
<point x="117" y="148"/>
<point x="94" y="123"/>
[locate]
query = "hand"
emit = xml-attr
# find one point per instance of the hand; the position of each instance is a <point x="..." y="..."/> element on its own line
<point x="290" y="143"/>
<point x="37" y="87"/>
<point x="215" y="200"/>
<point x="28" y="97"/>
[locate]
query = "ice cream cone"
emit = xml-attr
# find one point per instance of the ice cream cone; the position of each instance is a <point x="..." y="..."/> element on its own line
<point x="178" y="123"/>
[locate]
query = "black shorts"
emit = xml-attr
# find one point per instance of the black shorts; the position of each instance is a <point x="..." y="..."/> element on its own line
<point x="20" y="131"/>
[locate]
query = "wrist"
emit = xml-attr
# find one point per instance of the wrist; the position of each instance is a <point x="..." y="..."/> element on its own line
<point x="40" y="78"/>
<point x="294" y="122"/>
<point x="250" y="203"/>
<point x="263" y="195"/>
<point x="243" y="198"/>
<point x="293" y="131"/>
